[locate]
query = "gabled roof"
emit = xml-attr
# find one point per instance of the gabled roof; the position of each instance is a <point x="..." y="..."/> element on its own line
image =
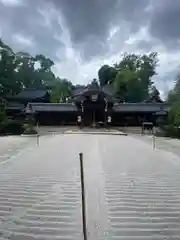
<point x="31" y="94"/>
<point x="93" y="87"/>
<point x="78" y="90"/>
<point x="106" y="91"/>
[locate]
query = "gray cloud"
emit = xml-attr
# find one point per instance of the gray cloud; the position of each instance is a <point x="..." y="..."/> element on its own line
<point x="89" y="21"/>
<point x="145" y="45"/>
<point x="165" y="21"/>
<point x="87" y="18"/>
<point x="27" y="20"/>
<point x="95" y="30"/>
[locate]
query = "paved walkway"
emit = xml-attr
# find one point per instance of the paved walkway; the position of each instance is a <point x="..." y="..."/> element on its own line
<point x="132" y="191"/>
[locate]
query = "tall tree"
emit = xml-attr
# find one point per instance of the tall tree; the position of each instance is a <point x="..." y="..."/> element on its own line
<point x="106" y="74"/>
<point x="44" y="72"/>
<point x="155" y="94"/>
<point x="174" y="94"/>
<point x="20" y="70"/>
<point x="127" y="86"/>
<point x="174" y="100"/>
<point x="62" y="91"/>
<point x="135" y="71"/>
<point x="25" y="70"/>
<point x="8" y="81"/>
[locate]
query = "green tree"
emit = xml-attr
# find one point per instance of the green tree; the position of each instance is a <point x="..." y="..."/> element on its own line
<point x="174" y="114"/>
<point x="19" y="71"/>
<point x="8" y="81"/>
<point x="106" y="74"/>
<point x="154" y="93"/>
<point x="61" y="91"/>
<point x="3" y="117"/>
<point x="174" y="94"/>
<point x="135" y="72"/>
<point x="44" y="73"/>
<point x="45" y="63"/>
<point x="127" y="85"/>
<point x="172" y="128"/>
<point x="25" y="70"/>
<point x="174" y="100"/>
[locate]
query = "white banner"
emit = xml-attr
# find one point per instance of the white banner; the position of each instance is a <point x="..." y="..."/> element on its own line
<point x="109" y="119"/>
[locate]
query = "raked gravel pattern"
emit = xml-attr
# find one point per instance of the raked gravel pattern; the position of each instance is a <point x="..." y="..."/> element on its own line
<point x="142" y="192"/>
<point x="132" y="190"/>
<point x="40" y="194"/>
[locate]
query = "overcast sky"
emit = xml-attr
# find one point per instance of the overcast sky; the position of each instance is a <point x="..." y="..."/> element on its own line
<point x="82" y="35"/>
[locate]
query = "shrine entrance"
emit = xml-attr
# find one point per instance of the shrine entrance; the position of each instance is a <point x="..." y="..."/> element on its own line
<point x="94" y="112"/>
<point x="95" y="106"/>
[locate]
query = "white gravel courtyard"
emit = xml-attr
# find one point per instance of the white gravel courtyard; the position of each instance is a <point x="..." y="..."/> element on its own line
<point x="132" y="190"/>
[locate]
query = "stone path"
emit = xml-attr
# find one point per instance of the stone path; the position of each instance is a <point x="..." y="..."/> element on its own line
<point x="132" y="191"/>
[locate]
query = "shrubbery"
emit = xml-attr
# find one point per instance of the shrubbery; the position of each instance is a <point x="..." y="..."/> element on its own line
<point x="173" y="127"/>
<point x="11" y="127"/>
<point x="15" y="127"/>
<point x="171" y="131"/>
<point x="3" y="117"/>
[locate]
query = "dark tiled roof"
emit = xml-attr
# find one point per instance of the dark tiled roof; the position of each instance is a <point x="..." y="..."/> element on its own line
<point x="78" y="90"/>
<point x="32" y="94"/>
<point x="83" y="90"/>
<point x="79" y="98"/>
<point x="93" y="87"/>
<point x="108" y="89"/>
<point x="154" y="99"/>
<point x="14" y="106"/>
<point x="52" y="107"/>
<point x="141" y="107"/>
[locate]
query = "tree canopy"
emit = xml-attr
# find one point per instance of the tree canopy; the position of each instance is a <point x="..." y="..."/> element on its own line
<point x="62" y="91"/>
<point x="174" y="100"/>
<point x="20" y="70"/>
<point x="106" y="74"/>
<point x="131" y="77"/>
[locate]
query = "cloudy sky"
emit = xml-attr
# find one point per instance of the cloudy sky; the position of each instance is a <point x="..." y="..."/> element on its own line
<point x="82" y="35"/>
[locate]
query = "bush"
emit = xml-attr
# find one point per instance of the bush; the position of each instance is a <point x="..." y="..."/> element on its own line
<point x="160" y="132"/>
<point x="171" y="131"/>
<point x="3" y="117"/>
<point x="11" y="127"/>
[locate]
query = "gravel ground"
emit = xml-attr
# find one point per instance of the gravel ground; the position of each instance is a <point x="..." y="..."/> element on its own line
<point x="11" y="146"/>
<point x="132" y="190"/>
<point x="166" y="144"/>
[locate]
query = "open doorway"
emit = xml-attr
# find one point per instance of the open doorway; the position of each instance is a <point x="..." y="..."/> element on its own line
<point x="94" y="112"/>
